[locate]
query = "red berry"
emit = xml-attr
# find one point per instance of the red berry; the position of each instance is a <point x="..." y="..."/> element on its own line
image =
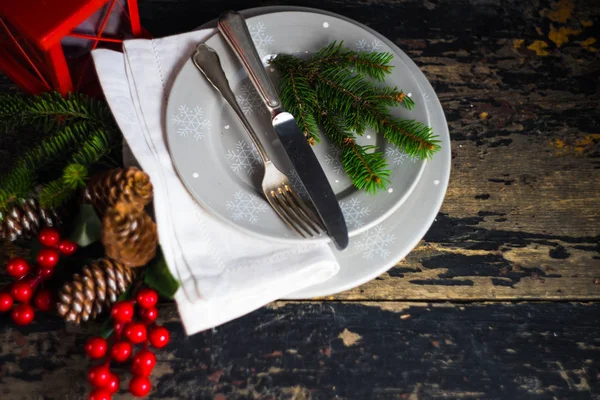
<point x="121" y="351"/>
<point x="49" y="237"/>
<point x="45" y="273"/>
<point x="67" y="247"/>
<point x="122" y="311"/>
<point x="135" y="332"/>
<point x="48" y="258"/>
<point x="23" y="314"/>
<point x="147" y="298"/>
<point x="140" y="386"/>
<point x="113" y="384"/>
<point x="6" y="302"/>
<point x="44" y="300"/>
<point x="159" y="337"/>
<point x="22" y="291"/>
<point x="143" y="362"/>
<point x="17" y="268"/>
<point x="99" y="376"/>
<point x="96" y="347"/>
<point x="100" y="394"/>
<point x="148" y="314"/>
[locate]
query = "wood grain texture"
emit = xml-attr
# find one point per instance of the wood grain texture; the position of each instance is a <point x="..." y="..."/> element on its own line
<point x="518" y="82"/>
<point x="521" y="218"/>
<point x="384" y="350"/>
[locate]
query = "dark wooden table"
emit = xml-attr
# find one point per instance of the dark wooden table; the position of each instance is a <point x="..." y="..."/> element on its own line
<point x="499" y="300"/>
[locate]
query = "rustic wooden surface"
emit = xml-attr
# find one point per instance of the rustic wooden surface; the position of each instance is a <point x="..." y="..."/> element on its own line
<point x="521" y="222"/>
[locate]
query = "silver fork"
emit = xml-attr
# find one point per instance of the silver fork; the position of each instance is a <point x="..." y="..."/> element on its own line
<point x="275" y="185"/>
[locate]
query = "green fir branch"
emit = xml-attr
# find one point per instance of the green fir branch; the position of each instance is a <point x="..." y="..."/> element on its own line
<point x="357" y="100"/>
<point x="336" y="83"/>
<point x="55" y="194"/>
<point x="79" y="132"/>
<point x="300" y="99"/>
<point x="50" y="110"/>
<point x="75" y="176"/>
<point x="367" y="168"/>
<point x="373" y="64"/>
<point x="93" y="149"/>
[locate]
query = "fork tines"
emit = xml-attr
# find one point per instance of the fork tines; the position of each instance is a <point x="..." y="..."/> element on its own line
<point x="294" y="212"/>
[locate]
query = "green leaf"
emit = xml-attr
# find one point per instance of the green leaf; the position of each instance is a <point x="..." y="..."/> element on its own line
<point x="87" y="227"/>
<point x="159" y="277"/>
<point x="107" y="328"/>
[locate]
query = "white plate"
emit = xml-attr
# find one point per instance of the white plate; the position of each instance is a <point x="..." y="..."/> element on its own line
<point x="221" y="168"/>
<point x="378" y="249"/>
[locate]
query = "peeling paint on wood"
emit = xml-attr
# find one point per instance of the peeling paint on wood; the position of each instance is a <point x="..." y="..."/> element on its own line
<point x="494" y="350"/>
<point x="518" y="83"/>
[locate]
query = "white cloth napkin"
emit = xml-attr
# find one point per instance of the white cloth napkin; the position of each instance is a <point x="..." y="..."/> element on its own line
<point x="224" y="273"/>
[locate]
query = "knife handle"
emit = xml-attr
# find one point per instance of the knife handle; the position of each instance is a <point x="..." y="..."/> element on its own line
<point x="233" y="26"/>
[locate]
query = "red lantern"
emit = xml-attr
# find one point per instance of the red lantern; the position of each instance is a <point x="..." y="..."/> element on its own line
<point x="45" y="45"/>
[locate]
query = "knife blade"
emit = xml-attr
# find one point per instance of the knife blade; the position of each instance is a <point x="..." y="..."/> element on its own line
<point x="233" y="27"/>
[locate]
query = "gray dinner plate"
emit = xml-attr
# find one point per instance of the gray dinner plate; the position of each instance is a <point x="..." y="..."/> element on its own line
<point x="218" y="163"/>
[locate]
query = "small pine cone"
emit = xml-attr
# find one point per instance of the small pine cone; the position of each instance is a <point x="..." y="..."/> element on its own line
<point x="119" y="185"/>
<point x="94" y="290"/>
<point x="129" y="235"/>
<point x="25" y="220"/>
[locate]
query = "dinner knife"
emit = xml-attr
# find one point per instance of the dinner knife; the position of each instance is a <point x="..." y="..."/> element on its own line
<point x="232" y="26"/>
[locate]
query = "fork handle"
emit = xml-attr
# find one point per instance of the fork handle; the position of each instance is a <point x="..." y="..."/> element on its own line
<point x="207" y="61"/>
<point x="235" y="30"/>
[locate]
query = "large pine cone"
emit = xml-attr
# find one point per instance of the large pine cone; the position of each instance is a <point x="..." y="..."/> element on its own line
<point x="129" y="235"/>
<point x="94" y="290"/>
<point x="25" y="220"/>
<point x="129" y="185"/>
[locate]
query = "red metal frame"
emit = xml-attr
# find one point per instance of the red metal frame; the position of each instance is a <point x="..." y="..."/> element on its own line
<point x="49" y="70"/>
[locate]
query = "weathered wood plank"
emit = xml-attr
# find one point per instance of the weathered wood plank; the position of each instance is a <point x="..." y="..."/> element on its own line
<point x="388" y="350"/>
<point x="521" y="217"/>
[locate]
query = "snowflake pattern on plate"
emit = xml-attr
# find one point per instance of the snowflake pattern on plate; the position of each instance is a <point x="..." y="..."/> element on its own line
<point x="375" y="243"/>
<point x="249" y="100"/>
<point x="333" y="159"/>
<point x="396" y="156"/>
<point x="260" y="37"/>
<point x="297" y="183"/>
<point x="244" y="158"/>
<point x="363" y="45"/>
<point x="246" y="207"/>
<point x="354" y="212"/>
<point x="191" y="121"/>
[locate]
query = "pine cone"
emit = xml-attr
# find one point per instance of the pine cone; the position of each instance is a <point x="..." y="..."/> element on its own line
<point x="129" y="235"/>
<point x="94" y="290"/>
<point x="25" y="220"/>
<point x="119" y="185"/>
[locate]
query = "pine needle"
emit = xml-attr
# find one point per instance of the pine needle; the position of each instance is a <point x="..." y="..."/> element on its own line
<point x="366" y="167"/>
<point x="341" y="90"/>
<point x="374" y="64"/>
<point x="79" y="132"/>
<point x="55" y="194"/>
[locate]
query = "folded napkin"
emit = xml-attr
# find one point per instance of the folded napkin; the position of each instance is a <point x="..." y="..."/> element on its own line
<point x="224" y="273"/>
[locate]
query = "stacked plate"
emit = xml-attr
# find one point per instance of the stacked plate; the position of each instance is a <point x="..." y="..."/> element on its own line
<point x="221" y="169"/>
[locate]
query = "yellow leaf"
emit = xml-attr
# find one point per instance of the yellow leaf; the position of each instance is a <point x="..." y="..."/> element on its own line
<point x="587" y="44"/>
<point x="539" y="46"/>
<point x="561" y="35"/>
<point x="517" y="43"/>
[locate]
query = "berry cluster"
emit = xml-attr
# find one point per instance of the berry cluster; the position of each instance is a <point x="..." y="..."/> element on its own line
<point x="27" y="280"/>
<point x="127" y="333"/>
